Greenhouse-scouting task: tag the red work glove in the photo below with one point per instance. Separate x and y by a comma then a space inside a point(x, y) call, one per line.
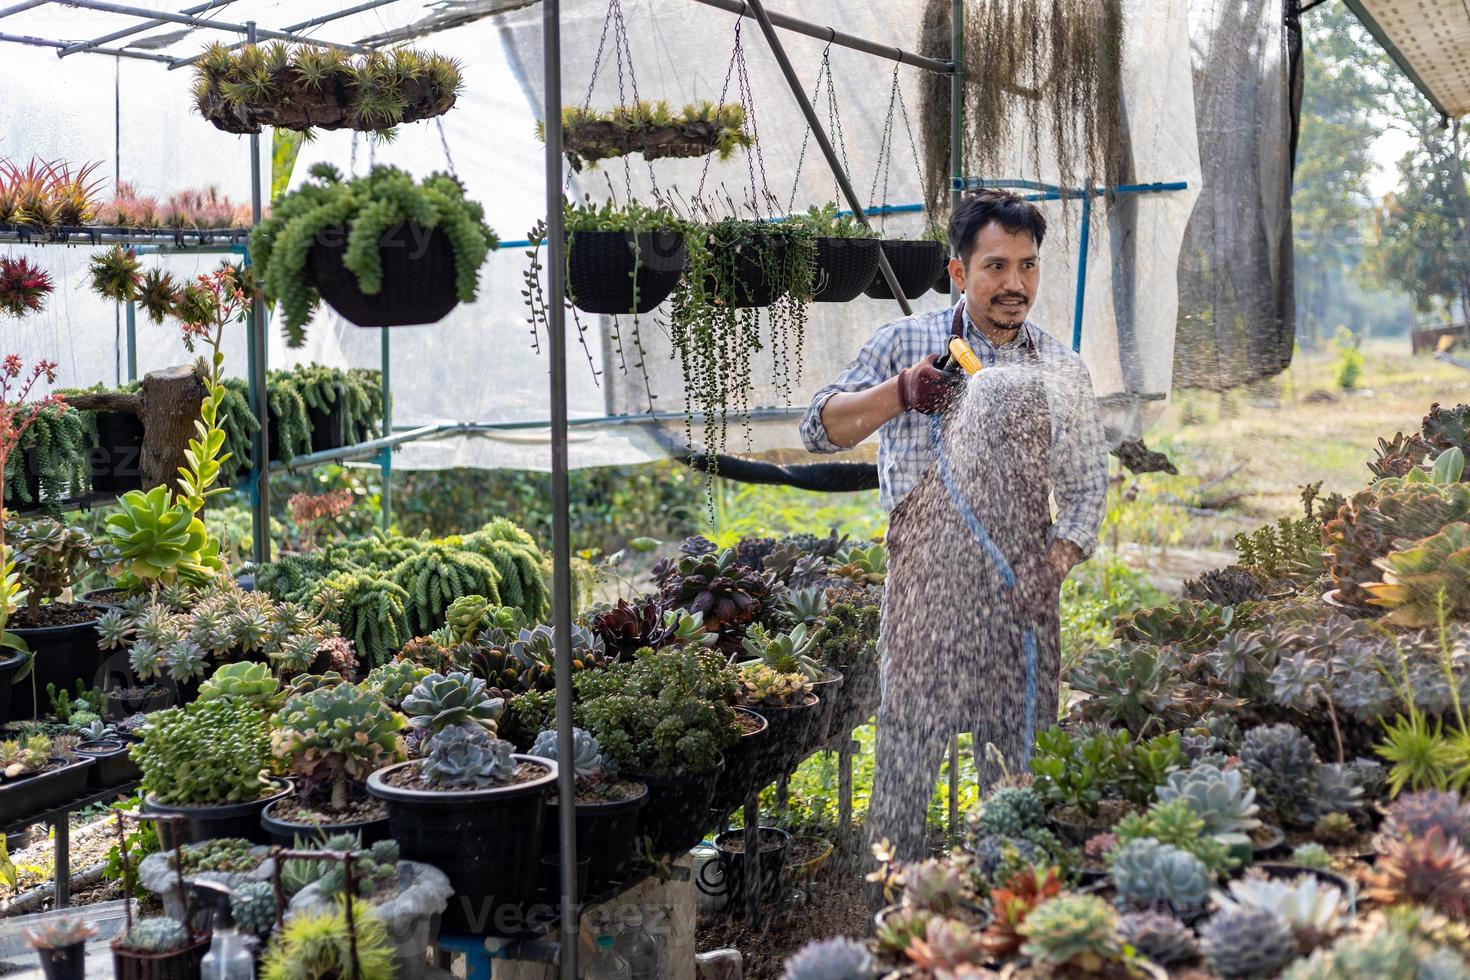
point(925, 388)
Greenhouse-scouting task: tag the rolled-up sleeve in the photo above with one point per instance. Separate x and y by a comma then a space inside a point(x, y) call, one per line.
point(1079, 462)
point(874, 364)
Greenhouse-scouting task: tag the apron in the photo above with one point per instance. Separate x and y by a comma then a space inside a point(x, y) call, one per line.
point(958, 654)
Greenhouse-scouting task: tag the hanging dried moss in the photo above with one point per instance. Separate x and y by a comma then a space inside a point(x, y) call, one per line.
point(1047, 72)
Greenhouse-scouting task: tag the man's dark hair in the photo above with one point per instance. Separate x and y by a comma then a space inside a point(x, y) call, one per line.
point(977, 210)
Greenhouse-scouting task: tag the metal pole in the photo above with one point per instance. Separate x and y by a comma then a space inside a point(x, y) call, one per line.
point(1079, 302)
point(260, 493)
point(292, 28)
point(836, 37)
point(43, 42)
point(132, 324)
point(757, 7)
point(956, 115)
point(385, 461)
point(954, 785)
point(247, 28)
point(21, 8)
point(561, 534)
point(139, 28)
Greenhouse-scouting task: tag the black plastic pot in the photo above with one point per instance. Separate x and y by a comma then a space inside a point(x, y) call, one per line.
point(742, 762)
point(328, 430)
point(732, 865)
point(828, 690)
point(64, 962)
point(113, 765)
point(63, 655)
point(203, 823)
point(752, 287)
point(286, 833)
point(488, 841)
point(857, 700)
point(418, 277)
point(10, 665)
point(677, 814)
point(789, 733)
point(916, 265)
point(45, 790)
point(607, 833)
point(551, 875)
point(1275, 847)
point(1288, 871)
point(124, 701)
point(845, 267)
point(181, 964)
point(115, 461)
point(617, 272)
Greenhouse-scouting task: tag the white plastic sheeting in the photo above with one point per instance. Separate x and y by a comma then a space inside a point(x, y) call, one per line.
point(478, 364)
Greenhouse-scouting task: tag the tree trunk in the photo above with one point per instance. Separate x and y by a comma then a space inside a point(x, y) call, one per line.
point(168, 406)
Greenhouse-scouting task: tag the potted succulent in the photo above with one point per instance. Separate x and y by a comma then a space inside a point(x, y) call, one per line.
point(743, 762)
point(324, 944)
point(230, 861)
point(467, 805)
point(845, 638)
point(382, 250)
point(772, 844)
point(34, 776)
point(158, 948)
point(652, 129)
point(405, 896)
point(313, 407)
point(792, 712)
point(109, 748)
point(917, 264)
point(330, 739)
point(794, 653)
point(847, 253)
point(622, 259)
point(607, 810)
point(1076, 935)
point(50, 558)
point(59, 944)
point(210, 763)
point(305, 87)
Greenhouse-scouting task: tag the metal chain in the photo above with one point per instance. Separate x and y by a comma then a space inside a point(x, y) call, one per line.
point(352, 160)
point(835, 119)
point(724, 90)
point(903, 110)
point(822, 73)
point(885, 155)
point(624, 49)
point(439, 122)
point(756, 160)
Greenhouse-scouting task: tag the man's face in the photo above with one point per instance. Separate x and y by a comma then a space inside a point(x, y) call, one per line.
point(1001, 277)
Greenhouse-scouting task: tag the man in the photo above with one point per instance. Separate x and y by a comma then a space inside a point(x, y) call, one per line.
point(976, 561)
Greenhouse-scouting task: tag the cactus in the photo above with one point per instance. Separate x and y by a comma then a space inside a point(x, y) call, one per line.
point(156, 934)
point(438, 702)
point(1415, 814)
point(763, 685)
point(1158, 936)
point(467, 757)
point(1243, 943)
point(253, 906)
point(1222, 799)
point(334, 737)
point(1011, 811)
point(395, 680)
point(1283, 769)
point(249, 682)
point(830, 959)
point(1312, 910)
point(1431, 869)
point(1145, 871)
point(1072, 932)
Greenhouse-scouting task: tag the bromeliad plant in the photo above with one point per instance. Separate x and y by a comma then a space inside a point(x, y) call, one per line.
point(362, 209)
point(332, 738)
point(24, 286)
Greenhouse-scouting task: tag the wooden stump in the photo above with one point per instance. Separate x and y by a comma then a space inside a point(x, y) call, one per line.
point(168, 406)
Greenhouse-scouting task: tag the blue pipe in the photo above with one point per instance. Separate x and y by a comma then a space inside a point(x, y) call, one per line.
point(1077, 304)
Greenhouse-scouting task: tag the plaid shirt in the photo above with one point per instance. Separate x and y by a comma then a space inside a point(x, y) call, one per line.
point(1079, 460)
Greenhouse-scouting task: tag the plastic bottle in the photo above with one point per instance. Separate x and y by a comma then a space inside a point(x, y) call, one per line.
point(229, 955)
point(637, 947)
point(605, 964)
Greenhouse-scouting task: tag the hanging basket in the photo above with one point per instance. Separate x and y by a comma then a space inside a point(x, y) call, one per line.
point(752, 287)
point(916, 264)
point(601, 139)
point(616, 272)
point(942, 281)
point(418, 277)
point(845, 267)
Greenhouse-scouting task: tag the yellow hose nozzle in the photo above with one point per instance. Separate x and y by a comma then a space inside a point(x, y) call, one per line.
point(964, 356)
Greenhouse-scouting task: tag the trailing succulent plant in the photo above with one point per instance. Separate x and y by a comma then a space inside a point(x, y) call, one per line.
point(1158, 936)
point(457, 700)
point(334, 737)
point(727, 594)
point(830, 959)
point(1077, 932)
point(366, 207)
point(467, 757)
point(395, 680)
point(1432, 870)
point(767, 686)
point(155, 934)
point(1282, 765)
point(1146, 871)
point(1315, 912)
point(1245, 943)
point(207, 752)
point(438, 575)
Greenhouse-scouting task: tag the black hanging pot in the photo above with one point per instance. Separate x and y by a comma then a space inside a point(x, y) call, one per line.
point(286, 832)
point(751, 284)
point(677, 813)
point(114, 463)
point(607, 836)
point(63, 656)
point(916, 265)
point(616, 272)
point(845, 267)
point(488, 841)
point(203, 823)
point(742, 761)
point(790, 733)
point(418, 277)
